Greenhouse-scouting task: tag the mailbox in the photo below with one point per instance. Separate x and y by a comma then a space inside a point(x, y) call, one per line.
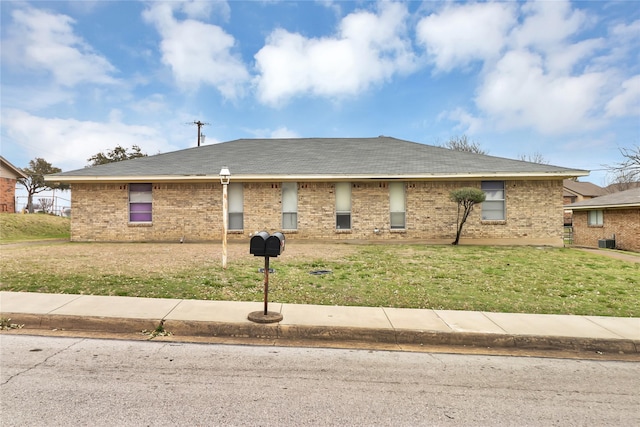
point(275, 244)
point(257, 245)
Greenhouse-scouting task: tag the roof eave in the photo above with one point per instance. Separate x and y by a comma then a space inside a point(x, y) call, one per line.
point(596, 207)
point(315, 177)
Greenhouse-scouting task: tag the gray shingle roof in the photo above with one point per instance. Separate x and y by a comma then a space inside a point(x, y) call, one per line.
point(628, 198)
point(318, 157)
point(584, 188)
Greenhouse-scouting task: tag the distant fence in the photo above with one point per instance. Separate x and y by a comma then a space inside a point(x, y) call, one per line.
point(55, 205)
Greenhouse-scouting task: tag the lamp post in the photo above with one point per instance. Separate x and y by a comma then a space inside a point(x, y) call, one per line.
point(225, 177)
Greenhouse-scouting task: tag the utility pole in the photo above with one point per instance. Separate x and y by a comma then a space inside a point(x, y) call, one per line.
point(199, 124)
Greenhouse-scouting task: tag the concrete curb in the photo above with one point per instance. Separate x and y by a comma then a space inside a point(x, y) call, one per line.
point(276, 331)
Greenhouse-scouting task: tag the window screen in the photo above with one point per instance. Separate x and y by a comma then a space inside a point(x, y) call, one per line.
point(289, 205)
point(397, 205)
point(493, 208)
point(140, 202)
point(343, 206)
point(236, 203)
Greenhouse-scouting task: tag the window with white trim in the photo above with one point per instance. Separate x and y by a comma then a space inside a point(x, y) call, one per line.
point(397, 205)
point(290, 205)
point(343, 206)
point(493, 208)
point(236, 203)
point(595, 217)
point(140, 202)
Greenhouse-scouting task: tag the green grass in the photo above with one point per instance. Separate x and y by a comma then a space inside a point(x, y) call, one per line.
point(28, 227)
point(477, 278)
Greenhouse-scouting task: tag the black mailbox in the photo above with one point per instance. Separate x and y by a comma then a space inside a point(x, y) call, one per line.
point(257, 246)
point(275, 244)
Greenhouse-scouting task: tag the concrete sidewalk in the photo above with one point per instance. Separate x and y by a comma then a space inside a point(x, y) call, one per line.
point(366, 325)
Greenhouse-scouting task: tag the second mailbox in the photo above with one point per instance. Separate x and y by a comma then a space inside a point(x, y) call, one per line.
point(275, 244)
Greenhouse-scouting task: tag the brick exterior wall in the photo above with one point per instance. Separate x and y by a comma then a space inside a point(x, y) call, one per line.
point(534, 212)
point(7, 195)
point(624, 223)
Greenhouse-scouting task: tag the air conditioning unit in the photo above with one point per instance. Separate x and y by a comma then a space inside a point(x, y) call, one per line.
point(607, 243)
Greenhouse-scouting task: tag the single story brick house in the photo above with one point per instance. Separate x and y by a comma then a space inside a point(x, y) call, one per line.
point(372, 189)
point(9, 175)
point(576, 191)
point(613, 219)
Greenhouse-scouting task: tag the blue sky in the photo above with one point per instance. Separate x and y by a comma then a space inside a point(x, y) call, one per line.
point(561, 79)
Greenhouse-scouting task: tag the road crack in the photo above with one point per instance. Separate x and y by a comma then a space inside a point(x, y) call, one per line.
point(35, 366)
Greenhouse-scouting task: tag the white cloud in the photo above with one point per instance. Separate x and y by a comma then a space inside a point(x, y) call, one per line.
point(547, 24)
point(460, 34)
point(368, 49)
point(538, 70)
point(67, 143)
point(519, 93)
point(468, 123)
point(196, 52)
point(42, 41)
point(627, 102)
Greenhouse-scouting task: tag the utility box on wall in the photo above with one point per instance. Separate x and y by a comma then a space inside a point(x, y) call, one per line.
point(607, 243)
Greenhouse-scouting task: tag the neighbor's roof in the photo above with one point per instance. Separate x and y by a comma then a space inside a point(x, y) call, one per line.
point(583, 188)
point(621, 199)
point(315, 159)
point(5, 164)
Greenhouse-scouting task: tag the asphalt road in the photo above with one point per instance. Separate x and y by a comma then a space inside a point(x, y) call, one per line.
point(77, 381)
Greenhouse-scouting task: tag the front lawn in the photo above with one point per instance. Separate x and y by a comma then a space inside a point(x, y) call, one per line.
point(478, 278)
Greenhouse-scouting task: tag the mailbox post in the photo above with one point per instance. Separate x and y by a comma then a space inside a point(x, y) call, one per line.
point(265, 245)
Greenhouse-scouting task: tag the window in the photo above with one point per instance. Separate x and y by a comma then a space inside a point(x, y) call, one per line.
point(493, 208)
point(396, 205)
point(343, 206)
point(290, 205)
point(595, 218)
point(140, 202)
point(236, 203)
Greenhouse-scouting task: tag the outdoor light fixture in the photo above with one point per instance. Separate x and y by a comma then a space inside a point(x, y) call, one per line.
point(225, 177)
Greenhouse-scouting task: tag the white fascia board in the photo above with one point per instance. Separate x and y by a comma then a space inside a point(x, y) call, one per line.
point(313, 177)
point(603, 207)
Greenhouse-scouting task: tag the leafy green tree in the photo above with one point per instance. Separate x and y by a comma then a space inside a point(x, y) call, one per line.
point(466, 198)
point(118, 154)
point(463, 143)
point(34, 182)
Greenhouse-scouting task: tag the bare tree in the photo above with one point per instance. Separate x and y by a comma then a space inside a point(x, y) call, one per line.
point(34, 182)
point(627, 171)
point(536, 157)
point(462, 143)
point(466, 198)
point(46, 205)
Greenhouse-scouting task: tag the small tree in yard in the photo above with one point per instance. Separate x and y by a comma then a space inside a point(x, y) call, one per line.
point(466, 198)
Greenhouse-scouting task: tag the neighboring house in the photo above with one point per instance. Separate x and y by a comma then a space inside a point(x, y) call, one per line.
point(9, 176)
point(576, 191)
point(612, 220)
point(621, 186)
point(317, 188)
